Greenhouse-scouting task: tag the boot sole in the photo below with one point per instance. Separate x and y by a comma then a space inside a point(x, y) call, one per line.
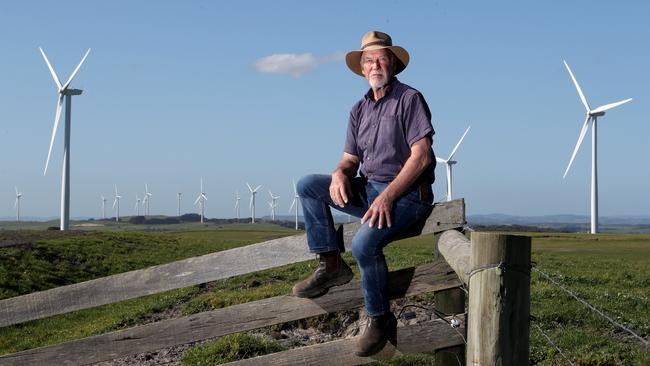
point(342, 280)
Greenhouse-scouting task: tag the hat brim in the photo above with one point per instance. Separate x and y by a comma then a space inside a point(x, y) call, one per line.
point(353, 58)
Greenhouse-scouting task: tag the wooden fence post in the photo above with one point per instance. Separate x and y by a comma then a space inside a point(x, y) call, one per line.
point(451, 301)
point(499, 300)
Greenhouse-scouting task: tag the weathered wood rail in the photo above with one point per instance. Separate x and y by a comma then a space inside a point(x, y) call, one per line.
point(191, 271)
point(211, 267)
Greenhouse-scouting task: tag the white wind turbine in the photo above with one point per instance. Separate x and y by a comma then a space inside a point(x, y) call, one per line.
point(103, 207)
point(146, 200)
point(252, 204)
point(237, 198)
point(200, 200)
point(116, 203)
point(592, 116)
point(296, 201)
point(273, 205)
point(137, 204)
point(179, 203)
point(449, 162)
point(64, 90)
point(19, 195)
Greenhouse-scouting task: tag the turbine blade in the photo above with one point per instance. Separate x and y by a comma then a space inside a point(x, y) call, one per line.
point(114, 202)
point(605, 107)
point(249, 187)
point(16, 202)
point(583, 131)
point(295, 191)
point(16, 188)
point(197, 200)
point(458, 144)
point(292, 204)
point(115, 190)
point(49, 66)
point(59, 107)
point(74, 73)
point(575, 82)
point(441, 160)
point(258, 187)
point(204, 196)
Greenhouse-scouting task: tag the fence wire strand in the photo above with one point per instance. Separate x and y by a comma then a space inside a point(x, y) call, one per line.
point(645, 342)
point(553, 344)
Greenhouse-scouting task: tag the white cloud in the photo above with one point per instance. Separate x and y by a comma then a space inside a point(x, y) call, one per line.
point(293, 64)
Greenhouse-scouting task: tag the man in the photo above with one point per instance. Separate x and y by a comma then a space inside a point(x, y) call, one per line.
point(389, 138)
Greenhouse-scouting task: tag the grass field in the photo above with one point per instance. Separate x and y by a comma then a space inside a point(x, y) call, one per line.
point(610, 271)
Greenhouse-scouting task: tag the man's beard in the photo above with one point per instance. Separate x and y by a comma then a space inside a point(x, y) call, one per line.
point(378, 84)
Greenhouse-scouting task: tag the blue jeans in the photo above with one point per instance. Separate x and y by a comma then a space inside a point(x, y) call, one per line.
point(368, 243)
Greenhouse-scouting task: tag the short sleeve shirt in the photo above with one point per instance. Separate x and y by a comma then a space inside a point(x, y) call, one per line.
point(380, 133)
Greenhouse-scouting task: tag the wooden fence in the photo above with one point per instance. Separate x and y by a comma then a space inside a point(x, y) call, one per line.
point(423, 337)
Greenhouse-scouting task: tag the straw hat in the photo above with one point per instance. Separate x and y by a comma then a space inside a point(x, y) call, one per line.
point(375, 40)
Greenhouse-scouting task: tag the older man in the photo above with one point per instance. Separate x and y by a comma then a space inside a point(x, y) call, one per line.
point(389, 138)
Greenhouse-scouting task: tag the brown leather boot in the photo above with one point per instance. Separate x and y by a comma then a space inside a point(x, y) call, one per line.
point(331, 271)
point(379, 329)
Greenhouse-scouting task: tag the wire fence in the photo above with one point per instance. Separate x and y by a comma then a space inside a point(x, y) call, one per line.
point(591, 307)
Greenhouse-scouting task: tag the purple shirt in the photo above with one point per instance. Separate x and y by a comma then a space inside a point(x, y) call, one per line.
point(381, 133)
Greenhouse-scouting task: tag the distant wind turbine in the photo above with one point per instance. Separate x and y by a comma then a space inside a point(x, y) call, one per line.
point(449, 162)
point(252, 204)
point(200, 200)
point(19, 195)
point(592, 116)
point(296, 201)
point(179, 203)
point(64, 91)
point(116, 203)
point(273, 205)
point(146, 200)
point(137, 204)
point(237, 198)
point(103, 207)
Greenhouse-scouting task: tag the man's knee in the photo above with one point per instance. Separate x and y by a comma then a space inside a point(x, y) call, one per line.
point(363, 247)
point(308, 185)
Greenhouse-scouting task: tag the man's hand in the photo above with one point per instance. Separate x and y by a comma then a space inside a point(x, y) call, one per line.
point(379, 211)
point(340, 189)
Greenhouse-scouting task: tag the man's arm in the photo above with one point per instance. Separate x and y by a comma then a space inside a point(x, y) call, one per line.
point(379, 211)
point(340, 189)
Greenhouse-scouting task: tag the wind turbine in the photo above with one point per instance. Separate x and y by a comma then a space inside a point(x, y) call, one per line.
point(137, 204)
point(103, 207)
point(200, 200)
point(117, 202)
point(64, 91)
point(296, 201)
point(449, 162)
point(147, 198)
point(19, 195)
point(237, 198)
point(252, 204)
point(592, 116)
point(179, 203)
point(273, 205)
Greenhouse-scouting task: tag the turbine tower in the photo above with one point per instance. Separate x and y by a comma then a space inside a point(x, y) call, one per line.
point(200, 200)
point(147, 198)
point(103, 207)
point(19, 195)
point(237, 198)
point(116, 203)
point(449, 162)
point(64, 91)
point(296, 201)
point(273, 205)
point(137, 204)
point(252, 204)
point(179, 203)
point(592, 116)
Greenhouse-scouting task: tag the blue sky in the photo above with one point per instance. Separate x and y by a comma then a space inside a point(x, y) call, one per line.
point(173, 92)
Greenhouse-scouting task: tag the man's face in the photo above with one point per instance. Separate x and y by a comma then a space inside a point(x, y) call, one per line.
point(376, 66)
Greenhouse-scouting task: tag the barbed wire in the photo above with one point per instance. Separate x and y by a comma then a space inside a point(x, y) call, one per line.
point(553, 344)
point(645, 342)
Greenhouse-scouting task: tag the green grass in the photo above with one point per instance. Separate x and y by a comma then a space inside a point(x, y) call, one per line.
point(610, 271)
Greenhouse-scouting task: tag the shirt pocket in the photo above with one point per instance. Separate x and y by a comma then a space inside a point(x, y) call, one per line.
point(390, 137)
